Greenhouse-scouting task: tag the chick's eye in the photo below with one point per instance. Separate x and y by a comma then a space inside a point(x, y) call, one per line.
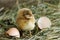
point(27, 13)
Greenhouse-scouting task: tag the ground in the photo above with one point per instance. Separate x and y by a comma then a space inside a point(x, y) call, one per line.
point(51, 10)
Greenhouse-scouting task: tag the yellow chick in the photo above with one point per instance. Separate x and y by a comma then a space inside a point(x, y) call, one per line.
point(25, 20)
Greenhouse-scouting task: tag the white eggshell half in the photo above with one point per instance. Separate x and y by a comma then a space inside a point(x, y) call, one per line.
point(44, 22)
point(13, 32)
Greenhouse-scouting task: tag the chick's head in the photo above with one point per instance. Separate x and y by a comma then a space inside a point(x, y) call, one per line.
point(25, 13)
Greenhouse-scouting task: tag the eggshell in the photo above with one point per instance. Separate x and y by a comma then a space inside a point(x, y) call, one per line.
point(13, 32)
point(44, 22)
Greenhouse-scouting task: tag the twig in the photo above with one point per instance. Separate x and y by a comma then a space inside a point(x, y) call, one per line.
point(2, 17)
point(17, 3)
point(1, 9)
point(50, 5)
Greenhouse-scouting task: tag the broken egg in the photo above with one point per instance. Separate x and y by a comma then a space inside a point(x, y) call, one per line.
point(44, 22)
point(13, 32)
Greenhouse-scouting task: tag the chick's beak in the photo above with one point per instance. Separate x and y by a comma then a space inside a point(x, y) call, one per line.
point(28, 16)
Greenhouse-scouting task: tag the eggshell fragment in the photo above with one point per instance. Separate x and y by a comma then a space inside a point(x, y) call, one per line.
point(13, 32)
point(44, 22)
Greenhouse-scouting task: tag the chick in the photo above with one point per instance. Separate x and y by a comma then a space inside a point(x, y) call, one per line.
point(25, 20)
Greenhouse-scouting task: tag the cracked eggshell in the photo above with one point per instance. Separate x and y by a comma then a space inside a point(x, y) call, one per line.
point(44, 22)
point(13, 32)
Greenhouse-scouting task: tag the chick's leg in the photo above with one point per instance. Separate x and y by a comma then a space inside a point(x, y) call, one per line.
point(21, 33)
point(30, 33)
